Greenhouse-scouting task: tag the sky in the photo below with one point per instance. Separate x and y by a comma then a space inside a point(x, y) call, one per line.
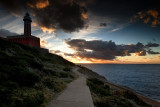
point(89, 31)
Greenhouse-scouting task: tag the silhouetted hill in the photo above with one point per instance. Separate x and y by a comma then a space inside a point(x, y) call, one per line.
point(29, 77)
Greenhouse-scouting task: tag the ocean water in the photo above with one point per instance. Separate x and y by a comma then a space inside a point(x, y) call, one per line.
point(144, 79)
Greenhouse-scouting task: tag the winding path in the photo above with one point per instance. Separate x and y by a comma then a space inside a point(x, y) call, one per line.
point(77, 94)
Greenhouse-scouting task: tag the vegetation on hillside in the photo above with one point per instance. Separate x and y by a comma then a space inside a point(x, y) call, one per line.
point(104, 96)
point(30, 78)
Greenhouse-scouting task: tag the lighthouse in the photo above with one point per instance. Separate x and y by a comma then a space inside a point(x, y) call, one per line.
point(27, 38)
point(27, 24)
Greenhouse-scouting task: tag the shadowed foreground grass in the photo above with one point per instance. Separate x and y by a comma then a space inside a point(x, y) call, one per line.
point(29, 78)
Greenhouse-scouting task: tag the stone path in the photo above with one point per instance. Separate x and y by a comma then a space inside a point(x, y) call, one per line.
point(77, 94)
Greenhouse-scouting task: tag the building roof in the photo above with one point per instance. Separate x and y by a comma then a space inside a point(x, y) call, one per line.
point(22, 36)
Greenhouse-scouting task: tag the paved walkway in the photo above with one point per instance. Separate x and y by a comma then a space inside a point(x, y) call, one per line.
point(77, 94)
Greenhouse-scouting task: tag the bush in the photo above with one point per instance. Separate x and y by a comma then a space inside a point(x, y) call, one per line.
point(34, 99)
point(102, 103)
point(96, 81)
point(27, 98)
point(130, 95)
point(67, 68)
point(97, 87)
point(63, 75)
point(20, 75)
point(50, 72)
point(54, 83)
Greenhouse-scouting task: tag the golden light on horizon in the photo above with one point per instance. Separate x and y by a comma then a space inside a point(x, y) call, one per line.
point(138, 53)
point(119, 60)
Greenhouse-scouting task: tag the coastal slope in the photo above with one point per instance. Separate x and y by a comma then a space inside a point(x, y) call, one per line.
point(105, 93)
point(30, 77)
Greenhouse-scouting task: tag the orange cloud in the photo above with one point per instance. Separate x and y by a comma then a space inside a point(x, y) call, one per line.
point(147, 16)
point(39, 4)
point(84, 16)
point(44, 29)
point(147, 20)
point(141, 53)
point(155, 22)
point(43, 43)
point(49, 30)
point(153, 13)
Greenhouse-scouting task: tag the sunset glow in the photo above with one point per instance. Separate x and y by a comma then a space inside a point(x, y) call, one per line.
point(91, 31)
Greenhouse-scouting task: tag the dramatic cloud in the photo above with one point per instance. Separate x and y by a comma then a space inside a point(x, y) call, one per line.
point(5, 33)
point(103, 24)
point(107, 50)
point(152, 45)
point(149, 16)
point(67, 15)
point(152, 52)
point(16, 7)
point(68, 54)
point(141, 53)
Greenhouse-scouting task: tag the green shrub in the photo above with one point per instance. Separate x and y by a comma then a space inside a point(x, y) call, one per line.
point(51, 72)
point(25, 77)
point(27, 98)
point(22, 63)
point(17, 74)
point(67, 68)
point(34, 99)
point(63, 75)
point(54, 83)
point(102, 103)
point(73, 76)
point(33, 63)
point(130, 95)
point(6, 91)
point(96, 81)
point(97, 87)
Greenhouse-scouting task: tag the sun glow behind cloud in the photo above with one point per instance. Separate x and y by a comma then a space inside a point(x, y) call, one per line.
point(51, 42)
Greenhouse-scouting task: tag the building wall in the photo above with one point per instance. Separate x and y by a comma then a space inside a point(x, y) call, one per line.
point(31, 41)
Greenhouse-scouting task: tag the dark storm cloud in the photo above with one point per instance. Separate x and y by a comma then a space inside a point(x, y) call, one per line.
point(152, 45)
point(121, 8)
point(103, 24)
point(51, 14)
point(15, 6)
point(152, 52)
point(5, 33)
point(68, 54)
point(106, 50)
point(67, 14)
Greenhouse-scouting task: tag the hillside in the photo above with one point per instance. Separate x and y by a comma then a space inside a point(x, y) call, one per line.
point(29, 77)
point(107, 94)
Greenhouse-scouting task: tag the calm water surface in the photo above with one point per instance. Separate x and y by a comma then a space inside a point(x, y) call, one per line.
point(144, 79)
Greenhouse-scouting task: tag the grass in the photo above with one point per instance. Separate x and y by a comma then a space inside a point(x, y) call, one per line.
point(130, 95)
point(104, 96)
point(54, 83)
point(98, 87)
point(26, 80)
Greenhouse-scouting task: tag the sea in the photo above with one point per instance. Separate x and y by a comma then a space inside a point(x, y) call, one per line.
point(143, 78)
